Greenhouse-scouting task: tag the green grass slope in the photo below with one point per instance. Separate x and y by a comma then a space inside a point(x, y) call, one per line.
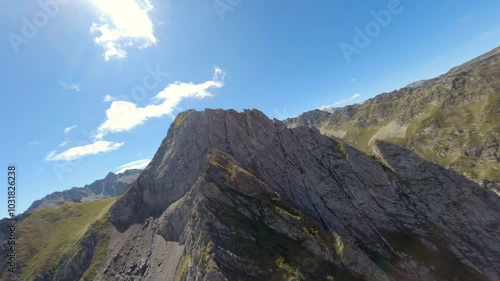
point(49, 236)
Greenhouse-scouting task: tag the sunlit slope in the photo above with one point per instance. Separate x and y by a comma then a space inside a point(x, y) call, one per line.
point(452, 120)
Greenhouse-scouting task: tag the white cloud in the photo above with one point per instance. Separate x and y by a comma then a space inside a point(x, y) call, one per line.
point(218, 74)
point(352, 80)
point(108, 98)
point(124, 115)
point(139, 164)
point(68, 129)
point(71, 86)
point(344, 101)
point(64, 143)
point(82, 151)
point(34, 143)
point(124, 23)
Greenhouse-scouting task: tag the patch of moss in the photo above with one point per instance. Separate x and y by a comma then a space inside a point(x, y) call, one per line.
point(180, 119)
point(381, 162)
point(286, 272)
point(338, 146)
point(338, 245)
point(184, 266)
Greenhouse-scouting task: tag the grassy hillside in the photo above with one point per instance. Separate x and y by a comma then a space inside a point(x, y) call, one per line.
point(49, 235)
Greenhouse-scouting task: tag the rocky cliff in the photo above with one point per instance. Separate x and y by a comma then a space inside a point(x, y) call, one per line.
point(452, 120)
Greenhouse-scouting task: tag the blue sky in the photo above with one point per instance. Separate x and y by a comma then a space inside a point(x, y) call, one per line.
point(90, 86)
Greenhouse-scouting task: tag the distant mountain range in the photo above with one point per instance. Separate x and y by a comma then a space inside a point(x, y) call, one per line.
point(452, 120)
point(113, 185)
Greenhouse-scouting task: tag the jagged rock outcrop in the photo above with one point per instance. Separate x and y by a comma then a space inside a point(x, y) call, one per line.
point(452, 120)
point(236, 196)
point(113, 185)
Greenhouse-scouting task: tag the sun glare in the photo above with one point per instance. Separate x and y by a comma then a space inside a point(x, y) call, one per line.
point(123, 23)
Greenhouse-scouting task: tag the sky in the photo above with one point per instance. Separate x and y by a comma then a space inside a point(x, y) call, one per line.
point(91, 86)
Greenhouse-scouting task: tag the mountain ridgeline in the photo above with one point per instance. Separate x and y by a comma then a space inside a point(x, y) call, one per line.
point(113, 185)
point(452, 120)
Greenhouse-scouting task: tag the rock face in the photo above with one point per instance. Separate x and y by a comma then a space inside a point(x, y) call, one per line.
point(113, 185)
point(237, 196)
point(452, 120)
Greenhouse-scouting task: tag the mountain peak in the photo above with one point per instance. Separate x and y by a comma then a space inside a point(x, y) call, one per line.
point(110, 176)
